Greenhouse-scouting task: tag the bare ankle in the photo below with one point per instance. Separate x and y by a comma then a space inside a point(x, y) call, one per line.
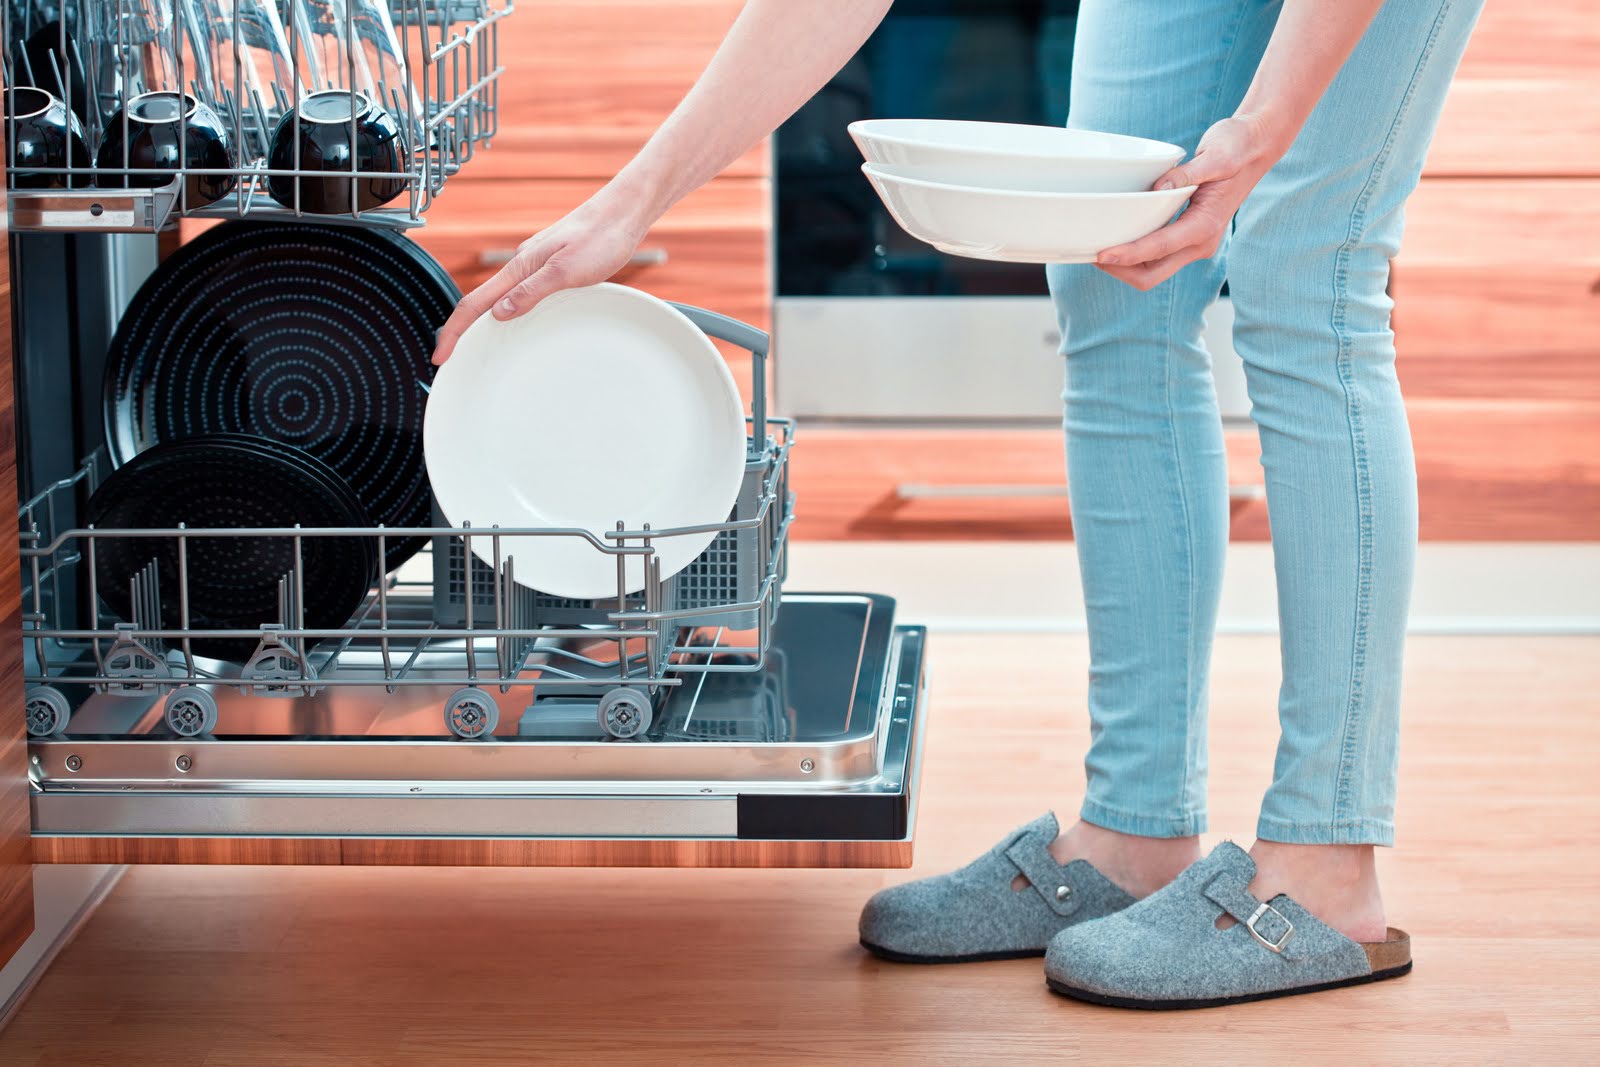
point(1140, 865)
point(1336, 883)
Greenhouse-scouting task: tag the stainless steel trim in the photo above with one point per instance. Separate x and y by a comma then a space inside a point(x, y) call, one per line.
point(207, 814)
point(955, 359)
point(500, 767)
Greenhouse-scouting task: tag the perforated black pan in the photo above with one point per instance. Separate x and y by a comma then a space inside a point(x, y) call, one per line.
point(316, 336)
point(231, 481)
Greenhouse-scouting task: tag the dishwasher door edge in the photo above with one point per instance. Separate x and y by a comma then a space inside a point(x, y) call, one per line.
point(783, 821)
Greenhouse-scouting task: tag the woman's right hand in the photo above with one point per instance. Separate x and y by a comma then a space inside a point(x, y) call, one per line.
point(586, 247)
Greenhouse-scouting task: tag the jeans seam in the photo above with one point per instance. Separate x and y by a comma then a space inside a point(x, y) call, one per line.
point(1354, 711)
point(1189, 628)
point(1188, 547)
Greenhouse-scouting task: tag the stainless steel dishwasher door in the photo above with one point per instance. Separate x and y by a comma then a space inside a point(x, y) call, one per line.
point(820, 745)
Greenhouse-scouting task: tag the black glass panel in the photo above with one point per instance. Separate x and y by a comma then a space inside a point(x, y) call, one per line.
point(989, 60)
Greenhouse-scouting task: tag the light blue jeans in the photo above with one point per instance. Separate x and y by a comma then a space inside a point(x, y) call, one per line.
point(1307, 267)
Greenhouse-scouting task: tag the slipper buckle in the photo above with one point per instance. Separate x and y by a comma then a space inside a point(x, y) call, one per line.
point(1282, 940)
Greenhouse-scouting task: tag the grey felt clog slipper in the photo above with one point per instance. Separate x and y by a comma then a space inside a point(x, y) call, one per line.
point(1166, 950)
point(974, 913)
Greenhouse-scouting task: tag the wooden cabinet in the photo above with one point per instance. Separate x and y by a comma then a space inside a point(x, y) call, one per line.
point(1497, 285)
point(1526, 100)
point(587, 83)
point(16, 857)
point(957, 484)
point(1497, 321)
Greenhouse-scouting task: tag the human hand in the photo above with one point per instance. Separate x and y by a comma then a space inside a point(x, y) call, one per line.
point(586, 247)
point(1230, 159)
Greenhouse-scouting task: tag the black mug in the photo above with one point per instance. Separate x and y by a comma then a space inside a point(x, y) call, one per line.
point(147, 134)
point(47, 135)
point(323, 134)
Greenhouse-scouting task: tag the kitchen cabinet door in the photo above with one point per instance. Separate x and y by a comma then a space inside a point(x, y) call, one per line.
point(587, 83)
point(1497, 325)
point(16, 863)
point(1497, 290)
point(1526, 100)
point(940, 484)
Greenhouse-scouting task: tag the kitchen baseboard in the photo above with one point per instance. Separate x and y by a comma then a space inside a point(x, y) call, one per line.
point(64, 896)
point(1023, 587)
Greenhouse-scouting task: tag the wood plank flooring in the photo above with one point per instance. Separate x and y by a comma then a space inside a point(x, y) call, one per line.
point(390, 967)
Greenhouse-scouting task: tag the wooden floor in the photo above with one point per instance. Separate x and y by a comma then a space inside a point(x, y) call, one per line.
point(1497, 879)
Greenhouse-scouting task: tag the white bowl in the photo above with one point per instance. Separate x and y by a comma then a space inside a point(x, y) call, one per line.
point(1004, 155)
point(1015, 227)
point(601, 405)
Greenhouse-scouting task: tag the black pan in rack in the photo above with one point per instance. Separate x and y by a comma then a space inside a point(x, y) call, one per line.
point(316, 336)
point(219, 481)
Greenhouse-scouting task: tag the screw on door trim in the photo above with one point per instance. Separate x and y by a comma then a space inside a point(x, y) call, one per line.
point(807, 766)
point(74, 763)
point(184, 763)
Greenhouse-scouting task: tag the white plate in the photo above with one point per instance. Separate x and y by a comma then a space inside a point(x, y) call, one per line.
point(1004, 155)
point(600, 405)
point(1015, 227)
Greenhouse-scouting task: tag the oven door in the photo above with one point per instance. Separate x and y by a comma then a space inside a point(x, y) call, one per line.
point(810, 761)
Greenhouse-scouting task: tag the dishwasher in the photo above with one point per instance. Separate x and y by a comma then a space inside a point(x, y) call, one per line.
point(711, 718)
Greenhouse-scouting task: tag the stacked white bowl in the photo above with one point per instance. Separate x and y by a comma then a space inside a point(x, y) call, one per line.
point(1019, 194)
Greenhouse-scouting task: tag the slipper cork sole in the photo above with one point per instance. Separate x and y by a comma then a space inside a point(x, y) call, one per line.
point(1389, 958)
point(979, 957)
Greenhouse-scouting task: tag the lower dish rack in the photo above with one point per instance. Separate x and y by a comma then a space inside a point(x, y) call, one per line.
point(621, 654)
point(475, 627)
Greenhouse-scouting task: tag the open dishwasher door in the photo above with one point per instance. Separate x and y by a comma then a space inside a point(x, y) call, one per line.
point(810, 760)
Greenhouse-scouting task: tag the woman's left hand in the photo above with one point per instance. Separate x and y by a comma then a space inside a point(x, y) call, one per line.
point(1230, 159)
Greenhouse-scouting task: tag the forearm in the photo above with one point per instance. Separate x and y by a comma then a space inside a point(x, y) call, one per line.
point(1312, 40)
point(778, 53)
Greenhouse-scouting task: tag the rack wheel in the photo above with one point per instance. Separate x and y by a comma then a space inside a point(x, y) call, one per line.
point(47, 710)
point(625, 713)
point(471, 713)
point(191, 711)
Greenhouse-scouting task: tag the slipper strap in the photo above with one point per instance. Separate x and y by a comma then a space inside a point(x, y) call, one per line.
point(1042, 871)
point(1271, 928)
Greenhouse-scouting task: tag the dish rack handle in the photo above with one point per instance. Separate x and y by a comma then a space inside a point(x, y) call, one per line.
point(757, 343)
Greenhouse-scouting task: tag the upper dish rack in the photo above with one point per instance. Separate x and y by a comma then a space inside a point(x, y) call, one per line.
point(443, 63)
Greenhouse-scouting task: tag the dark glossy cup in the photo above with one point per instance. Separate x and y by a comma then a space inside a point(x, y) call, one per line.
point(324, 139)
point(47, 135)
point(153, 137)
